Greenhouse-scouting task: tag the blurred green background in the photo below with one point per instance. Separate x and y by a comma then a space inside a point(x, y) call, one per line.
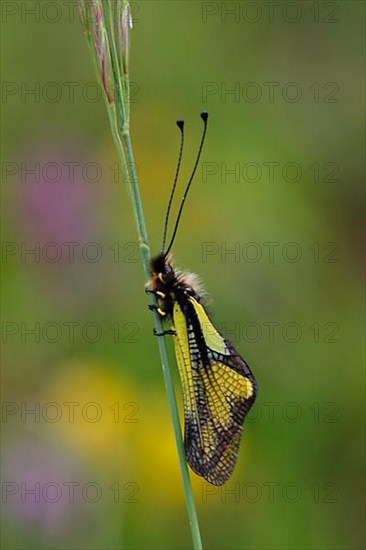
point(94, 465)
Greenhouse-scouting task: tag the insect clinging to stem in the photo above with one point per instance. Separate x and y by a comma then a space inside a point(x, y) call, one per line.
point(218, 385)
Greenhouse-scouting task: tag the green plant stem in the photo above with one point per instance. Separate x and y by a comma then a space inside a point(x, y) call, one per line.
point(125, 152)
point(109, 23)
point(145, 253)
point(118, 113)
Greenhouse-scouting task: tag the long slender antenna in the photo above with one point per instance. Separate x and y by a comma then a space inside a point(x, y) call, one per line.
point(204, 117)
point(180, 124)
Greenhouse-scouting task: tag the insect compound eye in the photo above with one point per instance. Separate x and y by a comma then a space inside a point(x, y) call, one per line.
point(168, 274)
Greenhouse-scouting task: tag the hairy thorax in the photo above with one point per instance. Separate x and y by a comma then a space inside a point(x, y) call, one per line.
point(172, 285)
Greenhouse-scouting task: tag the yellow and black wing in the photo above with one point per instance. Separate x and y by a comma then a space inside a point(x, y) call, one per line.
point(218, 391)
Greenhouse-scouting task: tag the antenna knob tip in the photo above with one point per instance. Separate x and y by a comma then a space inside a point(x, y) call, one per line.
point(204, 116)
point(180, 124)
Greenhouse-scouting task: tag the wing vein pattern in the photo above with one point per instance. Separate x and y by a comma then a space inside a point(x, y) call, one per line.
point(218, 391)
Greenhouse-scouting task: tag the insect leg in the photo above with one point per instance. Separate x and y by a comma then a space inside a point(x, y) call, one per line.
point(155, 292)
point(170, 332)
point(153, 307)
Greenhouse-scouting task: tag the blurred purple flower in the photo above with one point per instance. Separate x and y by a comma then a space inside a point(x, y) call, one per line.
point(57, 202)
point(34, 490)
point(63, 227)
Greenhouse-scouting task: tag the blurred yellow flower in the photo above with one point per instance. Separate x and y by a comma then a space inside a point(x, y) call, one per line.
point(99, 408)
point(105, 418)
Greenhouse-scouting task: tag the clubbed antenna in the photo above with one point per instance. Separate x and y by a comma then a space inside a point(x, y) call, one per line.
point(180, 124)
point(204, 117)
